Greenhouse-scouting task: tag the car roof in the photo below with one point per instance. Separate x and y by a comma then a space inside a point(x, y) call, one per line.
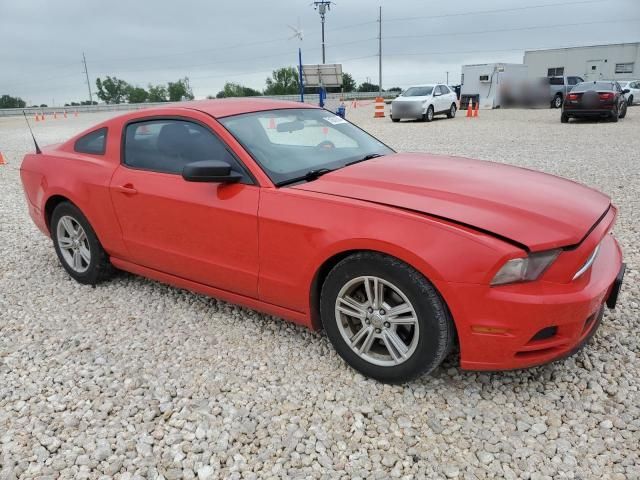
point(225, 107)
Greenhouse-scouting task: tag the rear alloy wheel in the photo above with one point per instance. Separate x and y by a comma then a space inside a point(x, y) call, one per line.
point(452, 111)
point(77, 245)
point(557, 101)
point(428, 116)
point(384, 318)
point(564, 118)
point(623, 113)
point(615, 115)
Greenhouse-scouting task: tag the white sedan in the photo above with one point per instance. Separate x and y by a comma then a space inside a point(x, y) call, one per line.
point(633, 96)
point(424, 102)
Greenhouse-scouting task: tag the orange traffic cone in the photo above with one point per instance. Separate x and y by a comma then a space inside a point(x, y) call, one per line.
point(75, 114)
point(42, 117)
point(470, 108)
point(475, 112)
point(37, 117)
point(2, 160)
point(65, 114)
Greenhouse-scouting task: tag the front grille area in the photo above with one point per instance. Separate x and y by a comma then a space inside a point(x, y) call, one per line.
point(406, 109)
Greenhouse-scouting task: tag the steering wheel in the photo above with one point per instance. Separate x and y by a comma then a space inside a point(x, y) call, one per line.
point(326, 144)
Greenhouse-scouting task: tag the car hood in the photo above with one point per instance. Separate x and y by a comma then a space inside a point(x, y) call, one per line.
point(536, 210)
point(421, 98)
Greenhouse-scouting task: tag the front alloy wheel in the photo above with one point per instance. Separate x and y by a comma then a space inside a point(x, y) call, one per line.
point(377, 321)
point(384, 318)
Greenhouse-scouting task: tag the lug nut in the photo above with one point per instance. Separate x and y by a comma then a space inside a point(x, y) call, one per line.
point(367, 321)
point(378, 330)
point(387, 324)
point(382, 312)
point(370, 310)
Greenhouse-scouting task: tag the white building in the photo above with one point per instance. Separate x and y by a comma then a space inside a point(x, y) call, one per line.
point(616, 61)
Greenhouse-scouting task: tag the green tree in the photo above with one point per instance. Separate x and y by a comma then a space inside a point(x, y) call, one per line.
point(137, 95)
point(7, 101)
point(158, 93)
point(231, 89)
point(180, 90)
point(283, 81)
point(112, 89)
point(348, 85)
point(394, 89)
point(367, 87)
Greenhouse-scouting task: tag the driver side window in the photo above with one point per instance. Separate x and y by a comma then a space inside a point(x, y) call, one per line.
point(166, 146)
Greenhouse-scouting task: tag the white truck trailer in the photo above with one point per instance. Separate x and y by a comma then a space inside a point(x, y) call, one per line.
point(491, 84)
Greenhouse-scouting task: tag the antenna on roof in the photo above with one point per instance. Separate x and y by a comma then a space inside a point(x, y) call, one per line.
point(31, 131)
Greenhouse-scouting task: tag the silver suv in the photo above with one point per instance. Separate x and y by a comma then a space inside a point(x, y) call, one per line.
point(559, 87)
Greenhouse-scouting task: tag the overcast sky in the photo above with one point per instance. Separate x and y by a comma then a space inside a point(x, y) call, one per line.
point(212, 41)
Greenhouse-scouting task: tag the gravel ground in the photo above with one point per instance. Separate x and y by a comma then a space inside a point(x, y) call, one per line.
point(135, 379)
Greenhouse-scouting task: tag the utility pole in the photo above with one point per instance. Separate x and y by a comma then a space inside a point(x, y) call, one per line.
point(380, 52)
point(447, 78)
point(86, 73)
point(323, 6)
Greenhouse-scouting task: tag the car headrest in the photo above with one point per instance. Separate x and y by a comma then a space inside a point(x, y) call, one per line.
point(174, 138)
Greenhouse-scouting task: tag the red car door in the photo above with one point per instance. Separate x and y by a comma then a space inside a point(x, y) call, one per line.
point(204, 232)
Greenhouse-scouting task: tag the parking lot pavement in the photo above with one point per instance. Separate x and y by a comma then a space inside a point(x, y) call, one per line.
point(136, 379)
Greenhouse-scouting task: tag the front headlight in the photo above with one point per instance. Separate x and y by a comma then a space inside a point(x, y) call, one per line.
point(525, 269)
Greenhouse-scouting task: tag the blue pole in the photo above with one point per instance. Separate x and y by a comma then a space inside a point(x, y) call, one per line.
point(300, 70)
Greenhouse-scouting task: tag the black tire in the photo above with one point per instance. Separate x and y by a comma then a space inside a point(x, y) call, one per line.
point(630, 101)
point(452, 111)
point(435, 326)
point(557, 101)
point(564, 118)
point(428, 117)
point(99, 267)
point(615, 115)
point(395, 120)
point(623, 112)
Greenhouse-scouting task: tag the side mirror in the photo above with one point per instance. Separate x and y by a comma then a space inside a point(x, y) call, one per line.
point(625, 91)
point(210, 171)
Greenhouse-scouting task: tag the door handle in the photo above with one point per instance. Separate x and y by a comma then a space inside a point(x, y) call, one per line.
point(126, 189)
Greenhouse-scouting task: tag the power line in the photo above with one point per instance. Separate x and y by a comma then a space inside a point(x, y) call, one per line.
point(497, 10)
point(515, 29)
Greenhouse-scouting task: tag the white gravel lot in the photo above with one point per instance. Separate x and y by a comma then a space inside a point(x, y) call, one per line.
point(135, 379)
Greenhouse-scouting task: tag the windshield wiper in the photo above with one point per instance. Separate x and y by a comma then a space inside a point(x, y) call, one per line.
point(310, 175)
point(365, 158)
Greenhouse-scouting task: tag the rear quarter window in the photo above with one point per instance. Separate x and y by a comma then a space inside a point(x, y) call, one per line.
point(94, 143)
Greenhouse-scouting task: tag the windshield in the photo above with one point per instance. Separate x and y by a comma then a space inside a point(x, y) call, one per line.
point(290, 143)
point(417, 91)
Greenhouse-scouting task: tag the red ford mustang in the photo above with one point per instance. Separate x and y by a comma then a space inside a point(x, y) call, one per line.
point(291, 210)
